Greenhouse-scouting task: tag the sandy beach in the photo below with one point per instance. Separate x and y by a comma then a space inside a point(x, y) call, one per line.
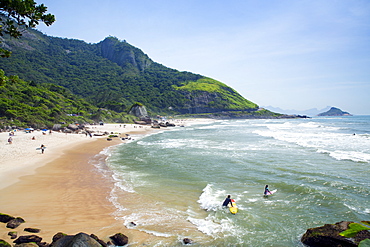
point(60, 190)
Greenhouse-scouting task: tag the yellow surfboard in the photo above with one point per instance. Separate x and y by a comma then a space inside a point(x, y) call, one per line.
point(233, 209)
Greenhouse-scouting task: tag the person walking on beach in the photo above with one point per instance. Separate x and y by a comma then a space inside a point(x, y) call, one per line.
point(267, 191)
point(227, 201)
point(10, 140)
point(42, 148)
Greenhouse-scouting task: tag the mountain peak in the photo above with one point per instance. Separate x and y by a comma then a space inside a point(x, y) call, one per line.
point(124, 54)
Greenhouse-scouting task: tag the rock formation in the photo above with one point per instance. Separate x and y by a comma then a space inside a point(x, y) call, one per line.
point(328, 236)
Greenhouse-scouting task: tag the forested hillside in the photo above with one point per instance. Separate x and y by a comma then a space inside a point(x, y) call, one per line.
point(43, 105)
point(114, 75)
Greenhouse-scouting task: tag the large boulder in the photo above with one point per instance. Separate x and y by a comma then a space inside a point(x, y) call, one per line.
point(28, 239)
point(101, 242)
point(13, 235)
point(119, 239)
point(14, 223)
point(139, 110)
point(58, 236)
point(33, 230)
point(328, 236)
point(79, 240)
point(3, 243)
point(4, 218)
point(26, 245)
point(72, 127)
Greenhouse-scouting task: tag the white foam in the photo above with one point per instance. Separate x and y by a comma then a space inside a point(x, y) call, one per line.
point(155, 233)
point(210, 199)
point(358, 209)
point(351, 155)
point(326, 139)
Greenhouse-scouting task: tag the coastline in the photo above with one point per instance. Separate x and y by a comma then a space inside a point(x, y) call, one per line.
point(61, 190)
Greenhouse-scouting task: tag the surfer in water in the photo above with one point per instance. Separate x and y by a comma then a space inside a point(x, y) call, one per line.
point(227, 201)
point(267, 191)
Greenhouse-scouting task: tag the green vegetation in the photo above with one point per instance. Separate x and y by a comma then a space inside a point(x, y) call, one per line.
point(354, 229)
point(4, 243)
point(16, 15)
point(42, 105)
point(227, 97)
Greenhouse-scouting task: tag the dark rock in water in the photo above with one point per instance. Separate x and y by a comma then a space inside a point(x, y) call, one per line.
point(13, 235)
point(28, 239)
point(328, 236)
point(132, 224)
point(4, 218)
point(14, 223)
point(33, 230)
point(119, 239)
point(3, 243)
point(81, 240)
point(101, 242)
point(187, 241)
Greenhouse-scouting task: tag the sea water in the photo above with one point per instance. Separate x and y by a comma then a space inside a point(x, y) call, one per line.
point(172, 183)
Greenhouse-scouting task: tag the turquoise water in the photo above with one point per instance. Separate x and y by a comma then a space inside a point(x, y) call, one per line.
point(172, 183)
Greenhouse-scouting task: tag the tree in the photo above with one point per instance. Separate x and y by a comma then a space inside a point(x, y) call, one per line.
point(17, 15)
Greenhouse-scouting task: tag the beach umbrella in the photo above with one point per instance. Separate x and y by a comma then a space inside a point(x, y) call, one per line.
point(45, 130)
point(28, 129)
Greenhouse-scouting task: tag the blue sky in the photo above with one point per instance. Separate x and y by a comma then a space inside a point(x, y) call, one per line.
point(291, 54)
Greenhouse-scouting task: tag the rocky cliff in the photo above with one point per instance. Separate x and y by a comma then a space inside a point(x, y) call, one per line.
point(124, 54)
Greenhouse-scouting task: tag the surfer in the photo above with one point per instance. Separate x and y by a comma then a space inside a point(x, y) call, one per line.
point(267, 191)
point(42, 148)
point(227, 201)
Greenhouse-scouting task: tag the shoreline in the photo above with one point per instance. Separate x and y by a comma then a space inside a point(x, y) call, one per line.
point(61, 190)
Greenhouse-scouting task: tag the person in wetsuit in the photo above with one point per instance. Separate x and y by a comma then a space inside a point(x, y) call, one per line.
point(267, 191)
point(227, 201)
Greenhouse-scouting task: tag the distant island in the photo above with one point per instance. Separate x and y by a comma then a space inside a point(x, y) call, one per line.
point(334, 112)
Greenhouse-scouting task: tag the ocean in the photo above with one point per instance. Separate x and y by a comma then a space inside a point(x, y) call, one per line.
point(172, 183)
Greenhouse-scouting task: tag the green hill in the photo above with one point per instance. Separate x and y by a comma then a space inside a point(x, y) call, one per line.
point(114, 74)
point(43, 105)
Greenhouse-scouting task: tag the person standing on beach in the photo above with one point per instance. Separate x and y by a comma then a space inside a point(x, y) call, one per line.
point(42, 148)
point(227, 201)
point(10, 140)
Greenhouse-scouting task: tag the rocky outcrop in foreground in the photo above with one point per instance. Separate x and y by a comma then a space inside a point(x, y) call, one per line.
point(328, 236)
point(60, 239)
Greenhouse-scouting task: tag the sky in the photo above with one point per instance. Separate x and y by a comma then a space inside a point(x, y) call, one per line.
point(292, 54)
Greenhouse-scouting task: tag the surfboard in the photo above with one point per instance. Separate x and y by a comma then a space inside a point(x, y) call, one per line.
point(233, 209)
point(271, 192)
point(40, 148)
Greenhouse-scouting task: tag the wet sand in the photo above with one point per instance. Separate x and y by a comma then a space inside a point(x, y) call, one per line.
point(66, 195)
point(61, 190)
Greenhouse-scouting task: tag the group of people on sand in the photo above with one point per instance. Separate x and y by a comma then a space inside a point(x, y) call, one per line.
point(42, 147)
point(228, 199)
